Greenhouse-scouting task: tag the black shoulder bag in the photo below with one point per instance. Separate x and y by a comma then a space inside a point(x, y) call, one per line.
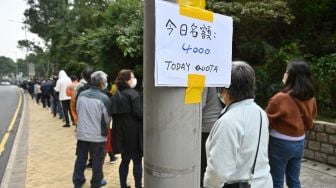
point(247, 184)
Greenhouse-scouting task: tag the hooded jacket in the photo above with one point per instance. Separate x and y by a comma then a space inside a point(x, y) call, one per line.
point(62, 83)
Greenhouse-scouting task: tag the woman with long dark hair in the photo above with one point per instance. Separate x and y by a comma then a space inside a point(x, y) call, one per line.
point(291, 113)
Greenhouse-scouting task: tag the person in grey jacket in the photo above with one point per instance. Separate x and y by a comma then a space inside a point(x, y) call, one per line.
point(233, 141)
point(211, 109)
point(94, 116)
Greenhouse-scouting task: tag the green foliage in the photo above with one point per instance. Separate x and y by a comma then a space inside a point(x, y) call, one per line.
point(259, 26)
point(7, 66)
point(314, 26)
point(324, 71)
point(270, 73)
point(103, 34)
point(41, 64)
point(124, 18)
point(75, 68)
point(108, 35)
point(259, 11)
point(22, 67)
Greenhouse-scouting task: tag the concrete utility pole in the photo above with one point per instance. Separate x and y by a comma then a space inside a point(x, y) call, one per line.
point(172, 129)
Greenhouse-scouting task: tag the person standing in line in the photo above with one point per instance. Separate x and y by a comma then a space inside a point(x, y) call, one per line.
point(70, 91)
point(31, 88)
point(94, 116)
point(211, 109)
point(291, 113)
point(111, 154)
point(61, 85)
point(83, 85)
point(37, 91)
point(234, 143)
point(127, 114)
point(47, 89)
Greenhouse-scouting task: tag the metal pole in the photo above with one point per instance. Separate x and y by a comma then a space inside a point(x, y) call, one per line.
point(172, 129)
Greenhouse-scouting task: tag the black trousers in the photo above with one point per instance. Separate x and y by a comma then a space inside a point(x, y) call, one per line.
point(66, 111)
point(98, 155)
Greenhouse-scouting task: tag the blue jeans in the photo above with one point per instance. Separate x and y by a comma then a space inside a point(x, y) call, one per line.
point(98, 154)
point(285, 159)
point(137, 169)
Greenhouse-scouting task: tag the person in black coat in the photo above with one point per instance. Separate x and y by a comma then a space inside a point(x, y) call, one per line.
point(127, 139)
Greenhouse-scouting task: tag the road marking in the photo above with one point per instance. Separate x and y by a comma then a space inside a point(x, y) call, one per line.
point(11, 125)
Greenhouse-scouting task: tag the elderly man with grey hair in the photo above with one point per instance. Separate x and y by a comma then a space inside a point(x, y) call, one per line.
point(94, 115)
point(238, 141)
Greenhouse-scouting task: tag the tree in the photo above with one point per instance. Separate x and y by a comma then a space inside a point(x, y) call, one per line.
point(7, 66)
point(22, 67)
point(107, 34)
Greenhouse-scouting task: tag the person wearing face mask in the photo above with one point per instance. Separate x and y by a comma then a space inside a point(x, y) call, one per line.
point(94, 115)
point(239, 138)
point(291, 113)
point(127, 127)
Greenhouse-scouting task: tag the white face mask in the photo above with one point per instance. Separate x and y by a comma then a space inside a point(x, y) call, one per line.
point(221, 98)
point(133, 83)
point(105, 86)
point(284, 78)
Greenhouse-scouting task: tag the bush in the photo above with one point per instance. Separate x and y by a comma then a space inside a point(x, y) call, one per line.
point(324, 71)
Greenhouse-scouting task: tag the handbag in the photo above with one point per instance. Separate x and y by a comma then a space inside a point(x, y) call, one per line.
point(247, 184)
point(108, 144)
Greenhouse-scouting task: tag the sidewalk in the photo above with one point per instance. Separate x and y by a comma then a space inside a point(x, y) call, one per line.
point(51, 153)
point(46, 157)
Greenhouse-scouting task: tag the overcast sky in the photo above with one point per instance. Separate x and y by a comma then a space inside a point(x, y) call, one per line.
point(11, 28)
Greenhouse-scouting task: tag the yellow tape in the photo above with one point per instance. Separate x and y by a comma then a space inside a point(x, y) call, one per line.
point(195, 88)
point(197, 13)
point(196, 82)
point(193, 3)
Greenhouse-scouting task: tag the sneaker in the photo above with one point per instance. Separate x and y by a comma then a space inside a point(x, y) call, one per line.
point(113, 160)
point(103, 183)
point(66, 125)
point(89, 165)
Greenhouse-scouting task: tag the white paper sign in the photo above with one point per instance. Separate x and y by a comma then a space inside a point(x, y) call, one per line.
point(186, 45)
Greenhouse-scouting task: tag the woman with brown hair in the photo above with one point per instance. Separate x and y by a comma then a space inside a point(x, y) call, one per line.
point(127, 137)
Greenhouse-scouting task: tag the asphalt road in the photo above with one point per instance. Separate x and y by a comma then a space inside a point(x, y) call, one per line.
point(11, 103)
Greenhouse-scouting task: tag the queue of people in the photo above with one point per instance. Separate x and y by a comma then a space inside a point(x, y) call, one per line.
point(90, 106)
point(243, 145)
point(97, 108)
